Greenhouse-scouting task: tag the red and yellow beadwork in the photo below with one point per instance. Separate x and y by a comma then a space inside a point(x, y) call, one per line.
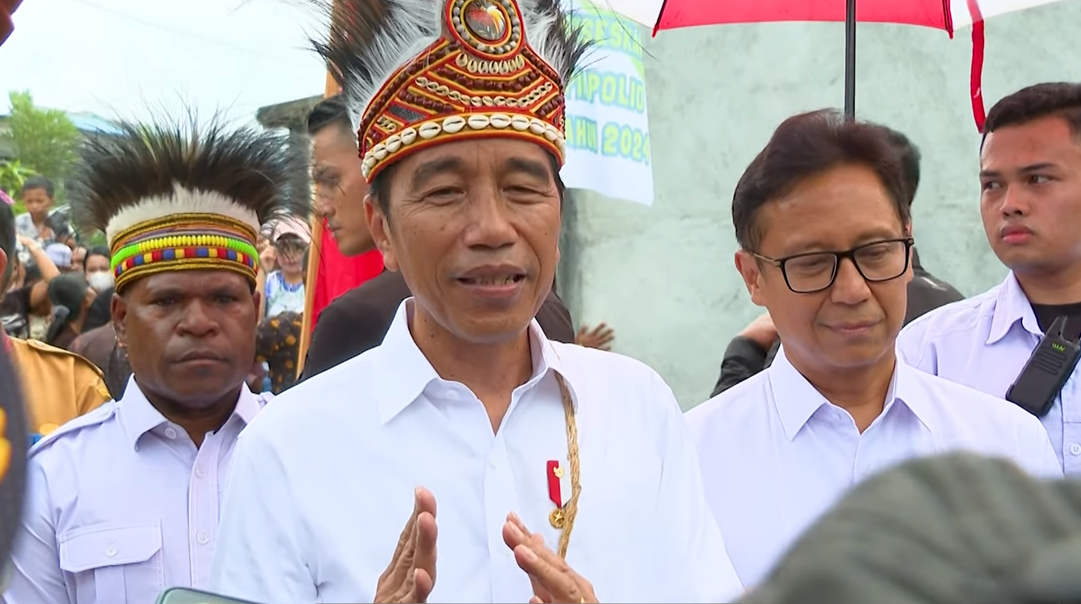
point(479, 79)
point(184, 242)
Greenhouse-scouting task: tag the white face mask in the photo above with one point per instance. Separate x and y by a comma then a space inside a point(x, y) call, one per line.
point(100, 281)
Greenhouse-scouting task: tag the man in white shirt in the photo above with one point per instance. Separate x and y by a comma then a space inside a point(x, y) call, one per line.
point(123, 502)
point(1030, 178)
point(467, 403)
point(825, 236)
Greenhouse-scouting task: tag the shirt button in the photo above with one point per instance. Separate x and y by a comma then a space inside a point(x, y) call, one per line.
point(202, 538)
point(170, 433)
point(111, 551)
point(200, 471)
point(1075, 449)
point(491, 462)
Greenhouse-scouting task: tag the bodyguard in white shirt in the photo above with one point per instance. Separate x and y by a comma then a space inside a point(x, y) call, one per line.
point(552, 471)
point(825, 236)
point(1030, 178)
point(123, 503)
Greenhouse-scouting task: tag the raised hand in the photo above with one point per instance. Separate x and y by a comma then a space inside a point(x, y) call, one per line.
point(268, 257)
point(553, 581)
point(411, 574)
point(761, 330)
point(600, 337)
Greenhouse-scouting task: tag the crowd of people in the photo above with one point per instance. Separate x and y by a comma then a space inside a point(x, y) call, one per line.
point(452, 436)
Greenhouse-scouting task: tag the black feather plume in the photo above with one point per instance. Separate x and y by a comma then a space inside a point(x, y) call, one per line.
point(257, 170)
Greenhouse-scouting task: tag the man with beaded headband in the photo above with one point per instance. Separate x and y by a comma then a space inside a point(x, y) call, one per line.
point(544, 457)
point(123, 502)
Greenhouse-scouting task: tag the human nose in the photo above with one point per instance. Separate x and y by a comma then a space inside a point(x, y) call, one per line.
point(1014, 202)
point(490, 224)
point(196, 320)
point(849, 286)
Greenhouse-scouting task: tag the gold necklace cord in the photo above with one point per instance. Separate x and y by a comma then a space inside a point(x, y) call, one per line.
point(570, 510)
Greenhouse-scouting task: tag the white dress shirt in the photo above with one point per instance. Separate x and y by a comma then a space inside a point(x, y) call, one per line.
point(776, 455)
point(323, 482)
point(121, 505)
point(984, 342)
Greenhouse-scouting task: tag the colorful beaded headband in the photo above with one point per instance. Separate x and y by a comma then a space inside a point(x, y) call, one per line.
point(193, 241)
point(481, 78)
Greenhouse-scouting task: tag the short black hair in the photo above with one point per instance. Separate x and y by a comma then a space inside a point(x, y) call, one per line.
point(7, 243)
point(39, 182)
point(805, 145)
point(97, 250)
point(1061, 99)
point(909, 156)
point(331, 111)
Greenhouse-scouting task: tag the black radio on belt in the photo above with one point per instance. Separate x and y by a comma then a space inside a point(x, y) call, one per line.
point(1046, 371)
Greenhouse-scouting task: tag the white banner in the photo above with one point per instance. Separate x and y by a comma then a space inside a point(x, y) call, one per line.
point(608, 148)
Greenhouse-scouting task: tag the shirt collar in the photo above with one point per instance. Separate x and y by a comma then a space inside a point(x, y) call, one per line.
point(1011, 306)
point(405, 372)
point(138, 416)
point(796, 400)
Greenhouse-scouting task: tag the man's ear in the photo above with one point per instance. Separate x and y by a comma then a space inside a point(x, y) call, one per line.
point(379, 227)
point(257, 297)
point(749, 269)
point(119, 308)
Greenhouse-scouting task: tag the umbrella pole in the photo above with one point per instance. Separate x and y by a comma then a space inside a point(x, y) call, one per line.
point(850, 60)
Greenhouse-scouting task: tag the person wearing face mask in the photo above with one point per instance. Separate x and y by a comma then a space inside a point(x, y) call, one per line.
point(98, 341)
point(123, 502)
point(96, 269)
point(64, 385)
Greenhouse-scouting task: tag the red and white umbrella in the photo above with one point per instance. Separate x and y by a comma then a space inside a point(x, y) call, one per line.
point(947, 15)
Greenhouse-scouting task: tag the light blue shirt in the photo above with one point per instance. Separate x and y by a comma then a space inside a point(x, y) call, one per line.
point(776, 455)
point(121, 505)
point(984, 342)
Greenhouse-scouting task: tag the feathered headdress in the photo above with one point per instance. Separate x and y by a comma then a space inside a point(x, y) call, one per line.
point(181, 196)
point(420, 72)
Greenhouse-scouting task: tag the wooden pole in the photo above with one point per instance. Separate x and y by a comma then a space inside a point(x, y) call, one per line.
point(314, 252)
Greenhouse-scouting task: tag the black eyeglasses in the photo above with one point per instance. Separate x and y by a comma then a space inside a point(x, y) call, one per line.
point(816, 271)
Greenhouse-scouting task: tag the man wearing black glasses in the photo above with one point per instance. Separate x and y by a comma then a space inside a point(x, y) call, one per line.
point(822, 220)
point(754, 348)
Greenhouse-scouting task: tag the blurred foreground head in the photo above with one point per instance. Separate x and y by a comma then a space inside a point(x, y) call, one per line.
point(13, 446)
point(7, 9)
point(942, 530)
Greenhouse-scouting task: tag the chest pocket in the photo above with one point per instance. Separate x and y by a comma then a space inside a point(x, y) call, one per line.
point(114, 564)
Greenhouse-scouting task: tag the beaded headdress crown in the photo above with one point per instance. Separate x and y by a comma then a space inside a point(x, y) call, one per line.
point(420, 72)
point(183, 197)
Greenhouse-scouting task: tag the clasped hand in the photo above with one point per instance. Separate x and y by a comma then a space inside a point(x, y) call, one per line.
point(410, 577)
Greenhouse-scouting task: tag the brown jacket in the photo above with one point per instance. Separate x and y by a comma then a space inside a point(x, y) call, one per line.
point(58, 385)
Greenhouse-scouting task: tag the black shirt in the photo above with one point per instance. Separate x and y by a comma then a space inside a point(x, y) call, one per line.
point(1047, 313)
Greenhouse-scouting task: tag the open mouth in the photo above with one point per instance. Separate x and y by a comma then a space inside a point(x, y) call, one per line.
point(493, 280)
